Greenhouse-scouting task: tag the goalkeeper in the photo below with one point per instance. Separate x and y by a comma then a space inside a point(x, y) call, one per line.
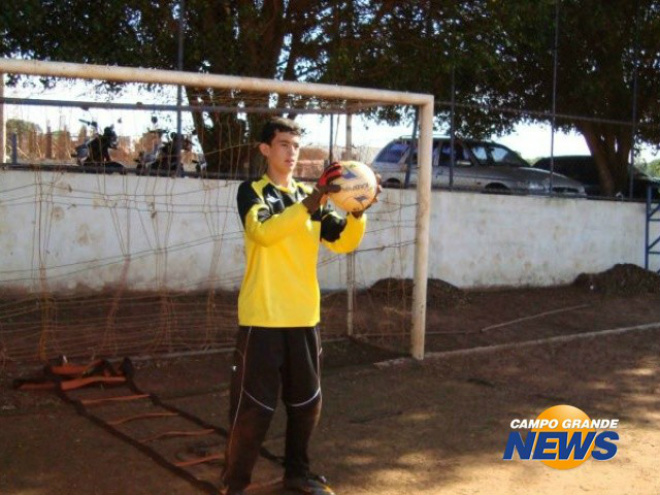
point(278, 343)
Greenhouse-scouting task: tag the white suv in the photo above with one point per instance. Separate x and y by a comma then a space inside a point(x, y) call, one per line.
point(478, 165)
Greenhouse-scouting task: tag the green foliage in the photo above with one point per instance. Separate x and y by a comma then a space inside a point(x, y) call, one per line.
point(21, 127)
point(259, 38)
point(501, 55)
point(653, 168)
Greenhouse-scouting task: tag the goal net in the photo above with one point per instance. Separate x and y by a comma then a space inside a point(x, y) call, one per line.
point(135, 251)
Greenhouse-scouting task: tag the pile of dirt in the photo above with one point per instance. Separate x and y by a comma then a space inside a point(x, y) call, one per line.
point(440, 294)
point(621, 279)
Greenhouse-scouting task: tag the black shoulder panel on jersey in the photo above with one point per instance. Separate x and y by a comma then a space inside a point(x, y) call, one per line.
point(273, 198)
point(246, 198)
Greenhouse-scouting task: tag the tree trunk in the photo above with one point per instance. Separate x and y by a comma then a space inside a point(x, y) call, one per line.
point(222, 136)
point(610, 146)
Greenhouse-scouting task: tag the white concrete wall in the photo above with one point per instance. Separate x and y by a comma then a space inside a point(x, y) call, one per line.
point(481, 240)
point(486, 240)
point(75, 232)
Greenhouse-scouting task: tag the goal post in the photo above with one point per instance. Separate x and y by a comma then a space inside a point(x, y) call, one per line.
point(370, 97)
point(422, 222)
point(3, 135)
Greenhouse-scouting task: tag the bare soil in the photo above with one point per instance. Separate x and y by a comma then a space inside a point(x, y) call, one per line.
point(392, 425)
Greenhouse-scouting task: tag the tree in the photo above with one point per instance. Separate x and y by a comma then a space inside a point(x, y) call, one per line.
point(22, 127)
point(604, 50)
point(422, 47)
point(500, 56)
point(653, 168)
point(251, 38)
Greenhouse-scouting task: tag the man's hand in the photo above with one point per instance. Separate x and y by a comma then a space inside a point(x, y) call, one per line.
point(329, 174)
point(323, 186)
point(379, 189)
point(318, 196)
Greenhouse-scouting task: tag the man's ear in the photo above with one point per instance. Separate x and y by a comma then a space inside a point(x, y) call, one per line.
point(265, 149)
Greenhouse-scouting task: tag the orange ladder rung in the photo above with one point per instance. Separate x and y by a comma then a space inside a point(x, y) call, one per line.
point(178, 433)
point(199, 460)
point(91, 402)
point(82, 382)
point(121, 421)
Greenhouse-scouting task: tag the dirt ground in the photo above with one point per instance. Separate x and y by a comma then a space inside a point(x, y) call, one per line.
point(392, 425)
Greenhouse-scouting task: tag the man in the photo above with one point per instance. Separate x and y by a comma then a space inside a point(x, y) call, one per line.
point(278, 342)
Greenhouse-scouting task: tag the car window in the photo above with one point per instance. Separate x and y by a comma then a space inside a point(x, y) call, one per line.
point(393, 152)
point(481, 154)
point(584, 171)
point(494, 154)
point(442, 154)
point(578, 168)
point(564, 168)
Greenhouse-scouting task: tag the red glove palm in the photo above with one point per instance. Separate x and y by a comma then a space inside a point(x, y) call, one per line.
point(323, 186)
point(329, 174)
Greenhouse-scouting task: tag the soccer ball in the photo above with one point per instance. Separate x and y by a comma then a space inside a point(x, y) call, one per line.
point(358, 187)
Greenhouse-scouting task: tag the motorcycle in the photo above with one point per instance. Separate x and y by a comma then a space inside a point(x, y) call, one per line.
point(165, 160)
point(93, 155)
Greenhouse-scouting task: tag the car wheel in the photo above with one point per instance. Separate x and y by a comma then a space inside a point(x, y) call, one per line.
point(393, 183)
point(496, 189)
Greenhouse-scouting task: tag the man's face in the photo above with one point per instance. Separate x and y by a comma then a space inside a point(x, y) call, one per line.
point(282, 152)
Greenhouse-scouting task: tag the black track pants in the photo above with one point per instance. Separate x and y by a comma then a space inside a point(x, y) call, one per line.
point(267, 360)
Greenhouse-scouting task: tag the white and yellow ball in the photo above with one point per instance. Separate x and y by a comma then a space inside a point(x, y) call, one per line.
point(358, 187)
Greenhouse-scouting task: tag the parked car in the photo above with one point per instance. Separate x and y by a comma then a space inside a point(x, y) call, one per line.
point(584, 169)
point(478, 165)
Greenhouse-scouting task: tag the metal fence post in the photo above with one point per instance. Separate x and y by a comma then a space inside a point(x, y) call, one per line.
point(14, 148)
point(350, 257)
point(3, 128)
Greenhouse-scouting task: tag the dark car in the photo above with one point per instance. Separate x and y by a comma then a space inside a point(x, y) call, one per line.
point(583, 168)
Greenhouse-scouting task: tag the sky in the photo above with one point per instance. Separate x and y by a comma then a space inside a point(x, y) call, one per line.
point(530, 141)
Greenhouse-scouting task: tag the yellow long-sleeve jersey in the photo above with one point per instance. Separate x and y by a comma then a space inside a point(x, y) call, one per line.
point(280, 288)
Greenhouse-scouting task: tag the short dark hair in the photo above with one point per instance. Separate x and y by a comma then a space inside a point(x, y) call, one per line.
point(280, 124)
